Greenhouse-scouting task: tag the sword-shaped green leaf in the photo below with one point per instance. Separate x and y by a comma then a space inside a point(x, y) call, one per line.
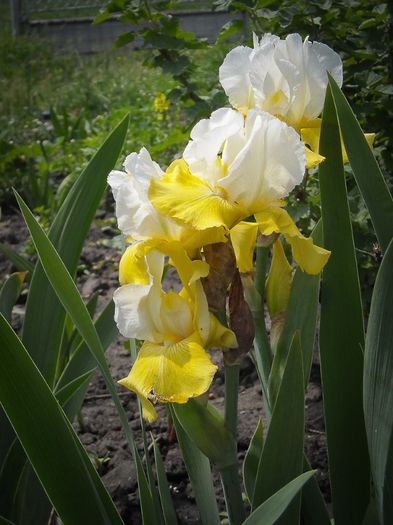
point(341, 337)
point(270, 511)
point(49, 442)
point(282, 454)
point(365, 168)
point(199, 472)
point(378, 387)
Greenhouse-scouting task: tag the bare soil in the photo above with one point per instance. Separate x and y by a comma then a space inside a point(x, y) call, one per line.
point(99, 427)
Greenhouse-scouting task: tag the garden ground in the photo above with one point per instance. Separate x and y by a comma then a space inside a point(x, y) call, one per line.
point(98, 425)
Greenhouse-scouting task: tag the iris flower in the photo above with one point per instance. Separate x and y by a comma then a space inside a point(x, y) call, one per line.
point(235, 167)
point(172, 364)
point(287, 78)
point(147, 229)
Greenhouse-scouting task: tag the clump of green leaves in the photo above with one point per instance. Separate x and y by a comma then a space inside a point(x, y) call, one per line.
point(154, 27)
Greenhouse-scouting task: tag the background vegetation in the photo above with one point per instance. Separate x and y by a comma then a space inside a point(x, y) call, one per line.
point(56, 109)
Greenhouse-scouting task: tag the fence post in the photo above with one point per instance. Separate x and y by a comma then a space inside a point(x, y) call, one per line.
point(16, 17)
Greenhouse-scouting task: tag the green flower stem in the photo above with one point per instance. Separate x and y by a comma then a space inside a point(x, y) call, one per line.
point(261, 269)
point(233, 495)
point(231, 397)
point(230, 475)
point(255, 298)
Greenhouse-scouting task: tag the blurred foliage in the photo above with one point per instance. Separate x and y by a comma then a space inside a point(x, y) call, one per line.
point(153, 26)
point(56, 109)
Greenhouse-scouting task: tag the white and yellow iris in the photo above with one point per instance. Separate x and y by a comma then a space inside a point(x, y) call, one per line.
point(172, 364)
point(287, 78)
point(140, 222)
point(235, 167)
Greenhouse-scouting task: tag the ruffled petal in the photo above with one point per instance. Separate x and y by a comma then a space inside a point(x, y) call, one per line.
point(172, 373)
point(136, 217)
point(207, 139)
point(234, 78)
point(309, 257)
point(148, 411)
point(192, 201)
point(268, 167)
point(133, 311)
point(133, 268)
point(243, 238)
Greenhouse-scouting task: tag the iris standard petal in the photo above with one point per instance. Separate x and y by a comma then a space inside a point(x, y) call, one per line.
point(235, 79)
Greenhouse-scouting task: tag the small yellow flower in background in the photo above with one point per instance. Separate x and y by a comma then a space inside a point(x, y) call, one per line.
point(172, 364)
point(161, 105)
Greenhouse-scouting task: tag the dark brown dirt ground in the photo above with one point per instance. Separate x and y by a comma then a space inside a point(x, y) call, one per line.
point(99, 427)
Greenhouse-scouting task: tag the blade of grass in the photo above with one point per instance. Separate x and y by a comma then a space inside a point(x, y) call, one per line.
point(83, 361)
point(65, 393)
point(47, 438)
point(198, 468)
point(272, 509)
point(9, 293)
point(251, 460)
point(149, 516)
point(9, 477)
point(282, 455)
point(4, 521)
point(20, 263)
point(365, 168)
point(378, 387)
point(165, 495)
point(341, 337)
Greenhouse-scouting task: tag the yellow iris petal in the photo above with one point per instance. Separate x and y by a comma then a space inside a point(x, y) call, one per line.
point(192, 240)
point(278, 283)
point(132, 266)
point(148, 411)
point(133, 270)
point(243, 237)
point(220, 336)
point(312, 158)
point(309, 257)
point(189, 271)
point(173, 373)
point(192, 201)
point(311, 136)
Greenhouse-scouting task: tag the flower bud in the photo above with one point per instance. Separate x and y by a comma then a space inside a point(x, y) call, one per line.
point(240, 321)
point(222, 262)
